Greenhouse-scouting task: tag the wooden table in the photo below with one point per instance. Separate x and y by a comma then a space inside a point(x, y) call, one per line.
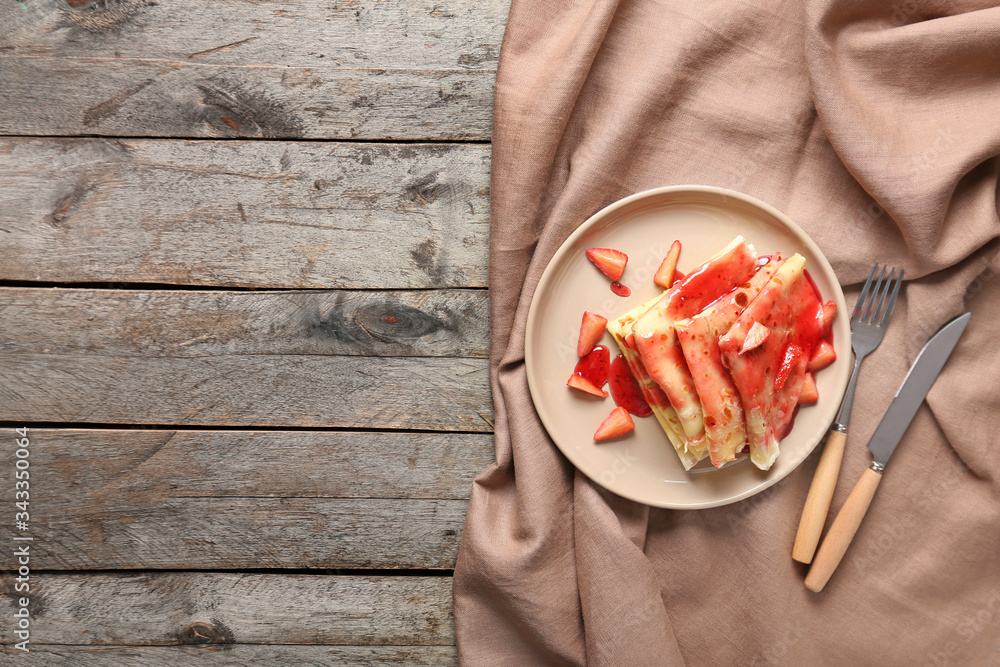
point(243, 312)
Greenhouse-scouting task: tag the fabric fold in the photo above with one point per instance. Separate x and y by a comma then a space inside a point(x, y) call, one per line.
point(873, 126)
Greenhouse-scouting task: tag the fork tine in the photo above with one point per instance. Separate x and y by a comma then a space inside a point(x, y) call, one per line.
point(866, 314)
point(864, 293)
point(892, 300)
point(881, 298)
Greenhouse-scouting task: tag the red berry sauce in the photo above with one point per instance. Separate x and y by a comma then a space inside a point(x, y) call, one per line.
point(595, 366)
point(620, 290)
point(625, 390)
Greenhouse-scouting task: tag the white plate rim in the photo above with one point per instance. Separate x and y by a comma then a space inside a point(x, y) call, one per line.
point(550, 271)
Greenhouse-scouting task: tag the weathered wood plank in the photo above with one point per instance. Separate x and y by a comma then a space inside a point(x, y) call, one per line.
point(141, 98)
point(235, 655)
point(170, 609)
point(430, 393)
point(404, 69)
point(235, 213)
point(102, 468)
point(434, 323)
point(106, 499)
point(404, 34)
point(167, 532)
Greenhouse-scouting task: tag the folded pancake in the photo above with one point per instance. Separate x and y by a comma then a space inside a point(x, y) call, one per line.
point(699, 339)
point(769, 377)
point(621, 330)
point(656, 339)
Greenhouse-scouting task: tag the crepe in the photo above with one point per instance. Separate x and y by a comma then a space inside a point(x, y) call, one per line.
point(656, 339)
point(699, 340)
point(621, 329)
point(769, 377)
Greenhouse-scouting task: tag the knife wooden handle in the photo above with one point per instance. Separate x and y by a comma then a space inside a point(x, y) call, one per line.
point(818, 501)
point(842, 531)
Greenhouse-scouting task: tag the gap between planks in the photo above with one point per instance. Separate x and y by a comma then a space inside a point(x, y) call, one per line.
point(304, 140)
point(94, 426)
point(150, 287)
point(329, 572)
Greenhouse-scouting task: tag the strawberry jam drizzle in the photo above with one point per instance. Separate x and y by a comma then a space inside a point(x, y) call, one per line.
point(710, 281)
point(625, 390)
point(620, 290)
point(595, 366)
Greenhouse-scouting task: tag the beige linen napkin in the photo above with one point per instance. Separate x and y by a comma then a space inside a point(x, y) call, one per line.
point(876, 127)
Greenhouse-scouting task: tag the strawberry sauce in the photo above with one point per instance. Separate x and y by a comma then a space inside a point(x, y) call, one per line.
point(625, 390)
point(620, 290)
point(595, 366)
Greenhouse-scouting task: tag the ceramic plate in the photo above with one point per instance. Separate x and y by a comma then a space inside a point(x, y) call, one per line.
point(643, 466)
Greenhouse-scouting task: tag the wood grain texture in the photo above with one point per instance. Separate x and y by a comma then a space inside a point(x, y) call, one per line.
point(252, 214)
point(138, 366)
point(432, 323)
point(235, 655)
point(218, 609)
point(817, 505)
point(166, 532)
point(427, 393)
point(842, 531)
point(94, 466)
point(132, 499)
point(400, 69)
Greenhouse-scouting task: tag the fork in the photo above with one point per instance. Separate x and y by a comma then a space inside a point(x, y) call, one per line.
point(868, 324)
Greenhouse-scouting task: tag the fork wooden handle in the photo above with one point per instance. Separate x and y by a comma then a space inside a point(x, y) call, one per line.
point(842, 531)
point(820, 494)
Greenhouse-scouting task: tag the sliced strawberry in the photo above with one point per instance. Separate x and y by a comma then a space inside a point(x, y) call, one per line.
point(822, 356)
point(808, 393)
point(583, 384)
point(665, 274)
point(792, 355)
point(678, 276)
point(611, 262)
point(591, 330)
point(755, 337)
point(826, 318)
point(618, 423)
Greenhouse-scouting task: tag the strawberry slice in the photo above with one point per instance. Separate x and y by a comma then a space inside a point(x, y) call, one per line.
point(618, 423)
point(826, 318)
point(792, 355)
point(808, 394)
point(611, 262)
point(583, 384)
point(678, 276)
point(591, 330)
point(822, 356)
point(755, 337)
point(665, 274)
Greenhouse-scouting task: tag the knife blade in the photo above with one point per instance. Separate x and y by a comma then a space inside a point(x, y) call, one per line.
point(922, 374)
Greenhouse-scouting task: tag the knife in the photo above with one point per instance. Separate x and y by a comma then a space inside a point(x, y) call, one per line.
point(910, 395)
